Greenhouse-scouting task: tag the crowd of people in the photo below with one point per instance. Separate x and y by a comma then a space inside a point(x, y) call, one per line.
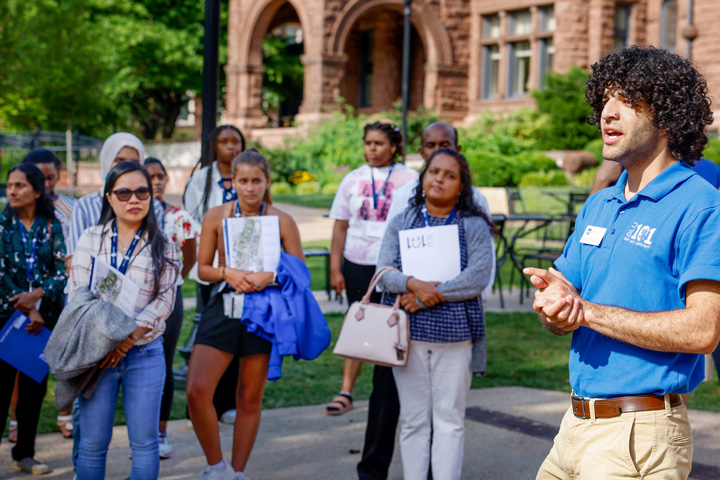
point(635, 354)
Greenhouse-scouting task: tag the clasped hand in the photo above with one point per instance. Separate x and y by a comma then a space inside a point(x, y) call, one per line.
point(248, 282)
point(556, 298)
point(425, 292)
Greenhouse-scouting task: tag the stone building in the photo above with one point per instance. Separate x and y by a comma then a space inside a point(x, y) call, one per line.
point(468, 56)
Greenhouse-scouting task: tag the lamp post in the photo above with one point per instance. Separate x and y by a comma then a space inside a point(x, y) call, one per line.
point(406, 71)
point(211, 69)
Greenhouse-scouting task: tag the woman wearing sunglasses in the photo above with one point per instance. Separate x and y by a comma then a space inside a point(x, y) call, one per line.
point(129, 238)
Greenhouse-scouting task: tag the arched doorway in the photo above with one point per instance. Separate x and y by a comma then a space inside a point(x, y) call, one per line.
point(266, 42)
point(282, 83)
point(372, 77)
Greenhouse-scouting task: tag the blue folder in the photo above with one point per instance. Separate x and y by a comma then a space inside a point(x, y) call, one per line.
point(24, 351)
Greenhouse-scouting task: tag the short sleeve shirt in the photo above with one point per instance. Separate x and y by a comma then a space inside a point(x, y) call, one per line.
point(366, 214)
point(654, 244)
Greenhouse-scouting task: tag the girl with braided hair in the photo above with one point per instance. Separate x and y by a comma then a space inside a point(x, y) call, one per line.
point(360, 209)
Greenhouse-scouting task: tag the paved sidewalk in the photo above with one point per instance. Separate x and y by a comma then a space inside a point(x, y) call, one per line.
point(509, 440)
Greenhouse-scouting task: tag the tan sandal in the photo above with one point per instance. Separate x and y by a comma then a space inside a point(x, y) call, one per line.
point(343, 403)
point(65, 425)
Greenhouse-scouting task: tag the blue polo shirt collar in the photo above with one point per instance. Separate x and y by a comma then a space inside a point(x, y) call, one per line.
point(660, 186)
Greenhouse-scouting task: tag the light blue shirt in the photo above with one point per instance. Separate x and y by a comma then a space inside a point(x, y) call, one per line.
point(655, 243)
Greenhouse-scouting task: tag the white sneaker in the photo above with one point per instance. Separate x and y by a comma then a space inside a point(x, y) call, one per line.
point(229, 417)
point(240, 476)
point(164, 445)
point(225, 473)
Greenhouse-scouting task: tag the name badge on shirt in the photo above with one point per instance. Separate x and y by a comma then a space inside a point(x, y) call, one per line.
point(593, 235)
point(375, 229)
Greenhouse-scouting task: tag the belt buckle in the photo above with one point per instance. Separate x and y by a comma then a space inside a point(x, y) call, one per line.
point(577, 398)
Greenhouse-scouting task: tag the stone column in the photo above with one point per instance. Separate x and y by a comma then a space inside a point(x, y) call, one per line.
point(321, 86)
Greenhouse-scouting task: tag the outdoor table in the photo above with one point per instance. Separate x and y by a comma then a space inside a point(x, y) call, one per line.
point(529, 223)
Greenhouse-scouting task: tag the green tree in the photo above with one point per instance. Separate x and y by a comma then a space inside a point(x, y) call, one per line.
point(562, 100)
point(283, 74)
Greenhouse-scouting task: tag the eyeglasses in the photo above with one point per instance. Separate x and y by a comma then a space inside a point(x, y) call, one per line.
point(124, 194)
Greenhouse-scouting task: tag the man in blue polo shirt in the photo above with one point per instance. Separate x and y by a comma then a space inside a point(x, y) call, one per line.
point(638, 283)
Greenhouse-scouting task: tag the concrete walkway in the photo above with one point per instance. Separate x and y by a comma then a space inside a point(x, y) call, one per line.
point(508, 433)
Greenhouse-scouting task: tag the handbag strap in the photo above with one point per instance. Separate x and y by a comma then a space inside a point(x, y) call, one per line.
point(374, 281)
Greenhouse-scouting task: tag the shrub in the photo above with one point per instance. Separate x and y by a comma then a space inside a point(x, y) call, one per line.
point(595, 147)
point(585, 178)
point(280, 188)
point(563, 101)
point(308, 188)
point(331, 188)
point(544, 179)
point(712, 150)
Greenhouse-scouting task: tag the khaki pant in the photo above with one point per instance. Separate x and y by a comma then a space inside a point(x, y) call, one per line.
point(649, 445)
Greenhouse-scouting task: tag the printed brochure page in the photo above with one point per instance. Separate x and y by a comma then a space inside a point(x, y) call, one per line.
point(252, 243)
point(112, 286)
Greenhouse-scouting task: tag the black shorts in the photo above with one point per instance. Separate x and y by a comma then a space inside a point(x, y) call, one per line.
point(227, 334)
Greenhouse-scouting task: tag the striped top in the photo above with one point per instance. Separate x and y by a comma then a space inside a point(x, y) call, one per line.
point(86, 214)
point(150, 313)
point(64, 206)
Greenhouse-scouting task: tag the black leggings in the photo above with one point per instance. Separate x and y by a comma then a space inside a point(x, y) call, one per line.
point(170, 338)
point(31, 394)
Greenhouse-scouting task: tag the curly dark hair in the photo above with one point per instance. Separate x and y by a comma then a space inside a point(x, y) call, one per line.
point(466, 203)
point(393, 134)
point(670, 84)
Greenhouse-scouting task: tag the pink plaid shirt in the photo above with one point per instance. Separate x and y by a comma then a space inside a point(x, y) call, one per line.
point(149, 313)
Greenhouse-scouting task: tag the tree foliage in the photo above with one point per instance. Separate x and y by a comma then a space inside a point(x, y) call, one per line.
point(562, 100)
point(104, 64)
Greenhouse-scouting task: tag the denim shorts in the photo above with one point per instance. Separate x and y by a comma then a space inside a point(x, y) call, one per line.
point(227, 334)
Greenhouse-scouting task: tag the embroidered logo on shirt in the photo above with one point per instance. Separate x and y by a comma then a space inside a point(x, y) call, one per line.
point(640, 234)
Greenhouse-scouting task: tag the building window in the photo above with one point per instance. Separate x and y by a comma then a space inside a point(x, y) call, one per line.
point(366, 68)
point(622, 26)
point(491, 26)
point(519, 71)
point(491, 71)
point(668, 29)
point(547, 51)
point(521, 22)
point(547, 19)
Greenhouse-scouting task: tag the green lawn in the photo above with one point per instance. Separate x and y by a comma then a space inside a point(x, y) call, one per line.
point(520, 352)
point(313, 200)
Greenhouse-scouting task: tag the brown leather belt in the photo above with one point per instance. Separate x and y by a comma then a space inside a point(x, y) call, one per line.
point(612, 407)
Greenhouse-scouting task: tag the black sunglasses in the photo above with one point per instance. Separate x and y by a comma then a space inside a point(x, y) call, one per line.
point(124, 194)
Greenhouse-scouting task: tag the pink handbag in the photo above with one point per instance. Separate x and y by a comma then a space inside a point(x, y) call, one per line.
point(374, 333)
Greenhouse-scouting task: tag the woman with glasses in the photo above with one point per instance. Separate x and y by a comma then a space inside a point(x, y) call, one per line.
point(182, 231)
point(32, 252)
point(128, 238)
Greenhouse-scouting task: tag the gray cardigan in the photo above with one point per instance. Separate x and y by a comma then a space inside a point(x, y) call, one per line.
point(88, 329)
point(471, 281)
point(468, 285)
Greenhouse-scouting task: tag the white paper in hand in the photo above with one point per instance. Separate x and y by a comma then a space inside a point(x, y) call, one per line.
point(252, 243)
point(431, 254)
point(112, 286)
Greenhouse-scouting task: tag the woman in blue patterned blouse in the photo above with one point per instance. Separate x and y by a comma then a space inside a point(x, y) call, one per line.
point(447, 328)
point(32, 253)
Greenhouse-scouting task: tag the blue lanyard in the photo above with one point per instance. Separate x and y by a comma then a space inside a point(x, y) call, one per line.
point(128, 253)
point(449, 219)
point(229, 194)
point(382, 189)
point(32, 255)
point(238, 212)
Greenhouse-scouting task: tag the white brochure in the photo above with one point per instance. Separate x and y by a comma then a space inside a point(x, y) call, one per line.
point(431, 254)
point(112, 286)
point(252, 243)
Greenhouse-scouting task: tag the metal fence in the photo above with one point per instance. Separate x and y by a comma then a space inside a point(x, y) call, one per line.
point(14, 146)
